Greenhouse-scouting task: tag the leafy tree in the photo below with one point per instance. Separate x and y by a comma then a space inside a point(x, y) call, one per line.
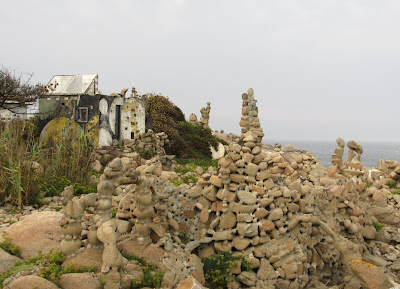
point(16, 90)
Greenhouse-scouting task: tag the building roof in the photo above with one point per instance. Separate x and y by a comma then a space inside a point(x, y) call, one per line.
point(72, 84)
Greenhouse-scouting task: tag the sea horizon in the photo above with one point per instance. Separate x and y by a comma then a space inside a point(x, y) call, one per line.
point(323, 149)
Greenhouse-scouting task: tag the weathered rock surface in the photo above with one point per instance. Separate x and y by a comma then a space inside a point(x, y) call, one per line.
point(37, 232)
point(6, 260)
point(32, 282)
point(79, 280)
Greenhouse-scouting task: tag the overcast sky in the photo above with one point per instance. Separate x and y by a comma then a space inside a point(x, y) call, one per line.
point(319, 69)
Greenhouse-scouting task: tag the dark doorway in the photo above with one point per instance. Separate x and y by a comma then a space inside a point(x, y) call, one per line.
point(118, 122)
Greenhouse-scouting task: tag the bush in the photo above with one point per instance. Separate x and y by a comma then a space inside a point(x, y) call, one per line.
point(54, 186)
point(217, 268)
point(147, 153)
point(10, 248)
point(392, 184)
point(162, 115)
point(193, 142)
point(151, 278)
point(186, 140)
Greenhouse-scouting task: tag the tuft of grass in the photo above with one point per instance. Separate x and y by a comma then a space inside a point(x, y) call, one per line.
point(151, 278)
point(10, 248)
point(49, 267)
point(378, 226)
point(131, 257)
point(114, 212)
point(392, 184)
point(184, 237)
point(147, 153)
point(217, 268)
point(189, 165)
point(184, 180)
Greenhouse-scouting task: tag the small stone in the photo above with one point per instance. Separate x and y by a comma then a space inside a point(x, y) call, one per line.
point(275, 214)
point(267, 225)
point(216, 181)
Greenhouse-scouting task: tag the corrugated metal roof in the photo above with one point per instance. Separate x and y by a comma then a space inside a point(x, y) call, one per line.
point(72, 84)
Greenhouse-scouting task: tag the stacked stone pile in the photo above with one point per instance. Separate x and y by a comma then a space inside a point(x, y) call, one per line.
point(264, 205)
point(391, 169)
point(149, 141)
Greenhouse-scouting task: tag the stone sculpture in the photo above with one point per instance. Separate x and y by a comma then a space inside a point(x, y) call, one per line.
point(205, 116)
point(134, 92)
point(112, 258)
point(338, 153)
point(193, 119)
point(71, 222)
point(354, 148)
point(73, 210)
point(146, 219)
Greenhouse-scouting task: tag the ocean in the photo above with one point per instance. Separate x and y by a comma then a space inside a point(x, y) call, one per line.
point(373, 151)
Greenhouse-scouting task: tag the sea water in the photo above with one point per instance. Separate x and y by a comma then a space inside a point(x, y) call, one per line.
point(373, 151)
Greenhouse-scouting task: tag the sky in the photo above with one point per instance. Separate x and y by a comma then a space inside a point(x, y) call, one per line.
point(319, 69)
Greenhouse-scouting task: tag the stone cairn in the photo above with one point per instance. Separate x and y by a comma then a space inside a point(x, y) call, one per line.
point(205, 116)
point(149, 141)
point(193, 119)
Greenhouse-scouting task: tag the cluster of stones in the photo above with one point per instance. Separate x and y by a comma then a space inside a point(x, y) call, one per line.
point(391, 169)
point(149, 141)
point(279, 209)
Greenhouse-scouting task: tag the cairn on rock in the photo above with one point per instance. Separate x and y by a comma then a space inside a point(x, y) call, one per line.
point(337, 156)
point(193, 119)
point(112, 258)
point(249, 122)
point(73, 210)
point(144, 211)
point(353, 166)
point(71, 222)
point(205, 116)
point(149, 142)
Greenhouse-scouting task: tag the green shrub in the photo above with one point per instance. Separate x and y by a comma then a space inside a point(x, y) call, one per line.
point(186, 140)
point(392, 184)
point(54, 186)
point(193, 142)
point(151, 278)
point(161, 115)
point(10, 248)
point(217, 268)
point(147, 153)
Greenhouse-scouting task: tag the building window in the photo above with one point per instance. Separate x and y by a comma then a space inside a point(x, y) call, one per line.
point(82, 114)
